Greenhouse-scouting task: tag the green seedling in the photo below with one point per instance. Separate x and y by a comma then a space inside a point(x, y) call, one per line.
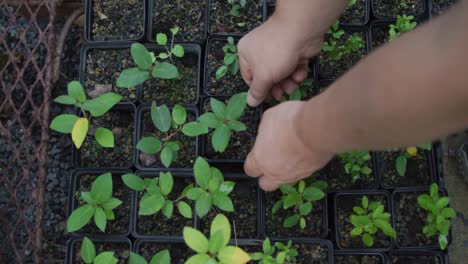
point(369, 219)
point(162, 257)
point(285, 253)
point(336, 51)
point(408, 153)
point(404, 24)
point(237, 6)
point(211, 189)
point(300, 92)
point(231, 60)
point(438, 220)
point(299, 199)
point(216, 248)
point(352, 3)
point(354, 163)
point(164, 121)
point(78, 126)
point(88, 254)
point(148, 64)
point(98, 203)
point(156, 193)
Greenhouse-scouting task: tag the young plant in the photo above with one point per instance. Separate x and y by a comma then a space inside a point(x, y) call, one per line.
point(215, 249)
point(162, 257)
point(155, 195)
point(300, 92)
point(285, 253)
point(299, 198)
point(164, 120)
point(404, 24)
point(438, 220)
point(211, 189)
point(98, 203)
point(351, 3)
point(354, 163)
point(88, 254)
point(410, 152)
point(237, 6)
point(148, 64)
point(78, 126)
point(335, 50)
point(369, 219)
point(231, 60)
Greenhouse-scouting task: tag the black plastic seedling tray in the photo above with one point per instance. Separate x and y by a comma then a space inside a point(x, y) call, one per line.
point(381, 256)
point(71, 246)
point(441, 257)
point(423, 15)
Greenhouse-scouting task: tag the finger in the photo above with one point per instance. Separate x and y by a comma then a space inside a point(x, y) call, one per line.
point(245, 71)
point(300, 74)
point(268, 184)
point(258, 91)
point(277, 92)
point(251, 167)
point(289, 85)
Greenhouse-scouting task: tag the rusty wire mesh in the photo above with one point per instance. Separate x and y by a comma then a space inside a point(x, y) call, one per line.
point(26, 55)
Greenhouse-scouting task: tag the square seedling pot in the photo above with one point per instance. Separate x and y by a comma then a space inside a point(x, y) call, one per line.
point(420, 10)
point(360, 257)
point(349, 16)
point(102, 244)
point(379, 31)
point(428, 257)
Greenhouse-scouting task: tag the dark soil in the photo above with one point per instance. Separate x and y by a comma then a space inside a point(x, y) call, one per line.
point(125, 19)
point(121, 250)
point(177, 91)
point(312, 253)
point(323, 85)
point(393, 8)
point(440, 6)
point(179, 252)
point(188, 15)
point(356, 15)
point(244, 219)
point(240, 142)
point(339, 180)
point(121, 122)
point(221, 20)
point(417, 259)
point(229, 84)
point(334, 69)
point(380, 34)
point(410, 219)
point(274, 222)
point(186, 154)
point(158, 224)
point(122, 213)
point(345, 204)
point(358, 259)
point(417, 170)
point(103, 67)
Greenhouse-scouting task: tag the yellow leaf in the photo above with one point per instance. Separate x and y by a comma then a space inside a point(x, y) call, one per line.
point(233, 255)
point(80, 129)
point(413, 151)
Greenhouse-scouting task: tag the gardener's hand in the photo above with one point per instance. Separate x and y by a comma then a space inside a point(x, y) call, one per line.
point(279, 154)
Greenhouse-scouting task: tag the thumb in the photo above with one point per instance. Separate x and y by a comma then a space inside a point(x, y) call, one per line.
point(258, 91)
point(251, 166)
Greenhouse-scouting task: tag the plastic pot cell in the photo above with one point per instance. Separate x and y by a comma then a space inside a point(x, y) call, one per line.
point(121, 120)
point(361, 257)
point(426, 257)
point(149, 247)
point(380, 31)
point(111, 20)
point(183, 90)
point(120, 246)
point(358, 14)
point(188, 145)
point(383, 9)
point(438, 7)
point(343, 209)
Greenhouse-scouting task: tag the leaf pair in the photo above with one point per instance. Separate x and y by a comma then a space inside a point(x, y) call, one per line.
point(286, 253)
point(88, 254)
point(335, 50)
point(162, 257)
point(230, 61)
point(355, 163)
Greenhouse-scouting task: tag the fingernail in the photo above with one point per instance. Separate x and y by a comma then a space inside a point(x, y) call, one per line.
point(252, 101)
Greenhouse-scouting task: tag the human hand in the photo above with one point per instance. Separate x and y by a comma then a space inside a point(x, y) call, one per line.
point(279, 155)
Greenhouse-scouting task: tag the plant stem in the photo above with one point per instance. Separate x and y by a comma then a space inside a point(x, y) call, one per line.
point(170, 136)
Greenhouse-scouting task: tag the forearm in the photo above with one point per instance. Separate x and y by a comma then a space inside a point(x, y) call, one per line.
point(411, 91)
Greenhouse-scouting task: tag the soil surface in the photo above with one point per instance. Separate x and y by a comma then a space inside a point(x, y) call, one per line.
point(410, 219)
point(417, 174)
point(179, 252)
point(122, 213)
point(339, 180)
point(240, 142)
point(177, 91)
point(121, 251)
point(440, 6)
point(380, 35)
point(393, 8)
point(221, 20)
point(414, 259)
point(333, 69)
point(229, 84)
point(274, 222)
point(186, 154)
point(358, 259)
point(344, 226)
point(121, 122)
point(356, 15)
point(312, 253)
point(103, 68)
point(245, 215)
point(124, 20)
point(158, 224)
point(188, 15)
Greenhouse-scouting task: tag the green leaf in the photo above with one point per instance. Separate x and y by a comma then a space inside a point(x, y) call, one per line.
point(151, 204)
point(401, 165)
point(221, 225)
point(277, 206)
point(443, 242)
point(210, 120)
point(79, 131)
point(229, 58)
point(109, 214)
point(149, 145)
point(174, 30)
point(291, 221)
point(227, 187)
point(165, 70)
point(161, 117)
point(426, 146)
point(215, 242)
point(100, 219)
point(167, 156)
point(102, 104)
point(87, 197)
point(221, 72)
point(75, 90)
point(287, 188)
point(425, 201)
point(442, 202)
point(178, 51)
point(195, 193)
point(161, 39)
point(448, 213)
point(112, 203)
point(168, 209)
point(66, 100)
point(231, 254)
point(434, 190)
point(203, 205)
point(202, 172)
point(136, 259)
point(236, 125)
point(106, 258)
point(291, 200)
point(220, 138)
point(179, 114)
point(141, 56)
point(166, 182)
point(218, 107)
point(305, 208)
point(385, 227)
point(223, 202)
point(302, 223)
point(356, 231)
point(132, 77)
point(236, 106)
point(185, 210)
point(104, 137)
point(133, 182)
point(199, 258)
point(358, 210)
point(313, 194)
point(368, 240)
point(194, 129)
point(365, 202)
point(162, 257)
point(87, 251)
point(80, 217)
point(64, 123)
point(195, 240)
point(101, 189)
